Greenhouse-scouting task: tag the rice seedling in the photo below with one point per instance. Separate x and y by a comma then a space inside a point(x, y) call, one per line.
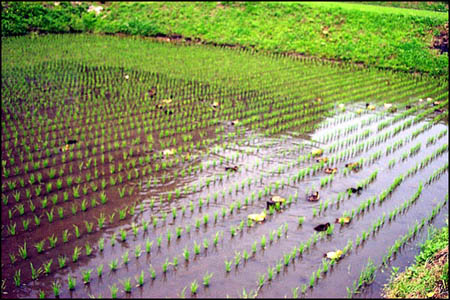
point(56, 286)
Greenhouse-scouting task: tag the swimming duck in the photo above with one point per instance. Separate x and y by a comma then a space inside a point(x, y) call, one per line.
point(387, 105)
point(324, 159)
point(235, 122)
point(357, 190)
point(317, 152)
point(333, 255)
point(359, 111)
point(257, 217)
point(274, 200)
point(429, 99)
point(64, 148)
point(70, 142)
point(371, 107)
point(353, 166)
point(233, 169)
point(393, 109)
point(152, 92)
point(168, 152)
point(436, 103)
point(314, 197)
point(215, 105)
point(439, 110)
point(344, 220)
point(330, 170)
point(318, 99)
point(408, 106)
point(322, 227)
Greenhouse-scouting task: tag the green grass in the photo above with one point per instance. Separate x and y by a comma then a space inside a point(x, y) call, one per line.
point(427, 277)
point(389, 37)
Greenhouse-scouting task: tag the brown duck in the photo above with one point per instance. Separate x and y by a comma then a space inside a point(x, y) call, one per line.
point(233, 169)
point(314, 197)
point(357, 190)
point(330, 170)
point(322, 227)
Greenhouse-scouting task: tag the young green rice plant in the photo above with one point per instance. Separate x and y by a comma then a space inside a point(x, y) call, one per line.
point(127, 285)
point(169, 235)
point(301, 220)
point(228, 265)
point(330, 229)
point(148, 246)
point(196, 248)
point(194, 287)
point(261, 280)
point(47, 266)
point(125, 258)
point(52, 239)
point(62, 261)
point(237, 259)
point(76, 254)
point(140, 279)
point(207, 278)
point(152, 272)
point(216, 239)
point(56, 286)
point(165, 265)
point(186, 254)
point(35, 272)
point(89, 226)
point(11, 229)
point(23, 251)
point(88, 249)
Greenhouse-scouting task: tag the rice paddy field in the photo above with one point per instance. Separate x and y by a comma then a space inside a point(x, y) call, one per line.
point(134, 168)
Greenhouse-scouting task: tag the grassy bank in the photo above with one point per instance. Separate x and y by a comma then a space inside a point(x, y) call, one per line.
point(388, 37)
point(428, 277)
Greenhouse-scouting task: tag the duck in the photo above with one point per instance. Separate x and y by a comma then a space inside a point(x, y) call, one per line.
point(353, 166)
point(314, 197)
point(322, 227)
point(359, 111)
point(393, 109)
point(64, 148)
point(357, 190)
point(257, 217)
point(318, 99)
point(408, 106)
point(70, 142)
point(215, 104)
point(344, 220)
point(168, 152)
point(370, 106)
point(233, 169)
point(152, 92)
point(317, 152)
point(439, 110)
point(168, 112)
point(436, 103)
point(274, 200)
point(330, 170)
point(429, 99)
point(235, 122)
point(322, 159)
point(387, 105)
point(333, 254)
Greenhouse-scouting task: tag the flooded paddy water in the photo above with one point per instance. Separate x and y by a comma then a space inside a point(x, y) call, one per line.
point(175, 149)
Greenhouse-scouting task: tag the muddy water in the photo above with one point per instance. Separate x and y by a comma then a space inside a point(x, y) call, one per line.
point(271, 152)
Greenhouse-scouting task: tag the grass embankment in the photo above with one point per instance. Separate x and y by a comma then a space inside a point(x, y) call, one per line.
point(379, 36)
point(428, 277)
